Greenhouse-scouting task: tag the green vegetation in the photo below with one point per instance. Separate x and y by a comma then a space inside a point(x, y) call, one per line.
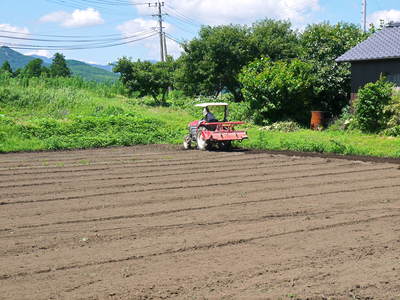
point(278, 90)
point(67, 113)
point(63, 113)
point(145, 78)
point(329, 141)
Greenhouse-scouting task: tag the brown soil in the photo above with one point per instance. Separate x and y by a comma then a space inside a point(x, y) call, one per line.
point(156, 222)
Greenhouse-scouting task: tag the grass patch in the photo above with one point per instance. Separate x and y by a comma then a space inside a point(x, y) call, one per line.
point(339, 142)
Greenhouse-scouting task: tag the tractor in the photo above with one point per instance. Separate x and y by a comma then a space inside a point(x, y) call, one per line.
point(210, 133)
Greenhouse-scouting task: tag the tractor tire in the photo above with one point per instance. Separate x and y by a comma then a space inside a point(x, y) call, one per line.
point(201, 143)
point(187, 142)
point(225, 146)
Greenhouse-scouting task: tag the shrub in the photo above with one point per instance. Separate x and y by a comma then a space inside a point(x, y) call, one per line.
point(370, 105)
point(278, 91)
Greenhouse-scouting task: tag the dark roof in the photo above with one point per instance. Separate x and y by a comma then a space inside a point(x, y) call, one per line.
point(384, 44)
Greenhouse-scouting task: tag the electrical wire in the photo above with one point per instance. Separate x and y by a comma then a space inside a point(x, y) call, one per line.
point(76, 41)
point(183, 16)
point(75, 47)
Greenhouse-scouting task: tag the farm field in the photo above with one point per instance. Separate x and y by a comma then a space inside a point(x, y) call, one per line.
point(157, 222)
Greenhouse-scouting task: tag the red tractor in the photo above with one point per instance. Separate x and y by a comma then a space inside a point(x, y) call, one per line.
point(210, 132)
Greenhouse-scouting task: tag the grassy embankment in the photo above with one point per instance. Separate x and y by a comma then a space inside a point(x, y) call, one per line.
point(39, 114)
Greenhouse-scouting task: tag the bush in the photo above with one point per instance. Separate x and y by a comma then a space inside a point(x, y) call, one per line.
point(278, 91)
point(370, 105)
point(392, 111)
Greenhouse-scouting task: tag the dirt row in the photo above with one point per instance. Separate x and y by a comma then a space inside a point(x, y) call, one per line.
point(157, 222)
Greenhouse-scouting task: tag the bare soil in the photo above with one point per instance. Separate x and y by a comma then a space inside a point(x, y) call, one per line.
point(157, 222)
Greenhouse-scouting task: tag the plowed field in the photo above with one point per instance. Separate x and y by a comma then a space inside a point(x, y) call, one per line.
point(156, 222)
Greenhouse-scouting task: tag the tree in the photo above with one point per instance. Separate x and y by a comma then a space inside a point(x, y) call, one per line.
point(59, 67)
point(147, 78)
point(213, 61)
point(322, 44)
point(6, 67)
point(278, 91)
point(34, 68)
point(274, 39)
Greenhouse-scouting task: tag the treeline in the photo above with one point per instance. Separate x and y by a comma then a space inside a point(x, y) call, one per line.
point(280, 73)
point(35, 68)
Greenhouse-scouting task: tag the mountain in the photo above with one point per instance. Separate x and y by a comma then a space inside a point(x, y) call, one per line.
point(78, 68)
point(16, 59)
point(90, 72)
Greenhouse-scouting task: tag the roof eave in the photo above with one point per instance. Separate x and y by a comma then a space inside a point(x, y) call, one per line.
point(339, 60)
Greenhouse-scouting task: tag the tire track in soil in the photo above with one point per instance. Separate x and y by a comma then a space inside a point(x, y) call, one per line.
point(203, 247)
point(201, 224)
point(133, 162)
point(170, 181)
point(160, 213)
point(182, 186)
point(250, 166)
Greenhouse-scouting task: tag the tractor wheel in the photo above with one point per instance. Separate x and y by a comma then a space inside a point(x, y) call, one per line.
point(187, 142)
point(201, 143)
point(225, 146)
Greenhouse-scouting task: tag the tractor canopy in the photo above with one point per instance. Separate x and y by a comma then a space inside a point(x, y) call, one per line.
point(215, 105)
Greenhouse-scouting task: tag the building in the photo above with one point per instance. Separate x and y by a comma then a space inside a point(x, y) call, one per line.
point(378, 55)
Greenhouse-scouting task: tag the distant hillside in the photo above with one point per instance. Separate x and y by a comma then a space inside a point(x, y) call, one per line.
point(90, 72)
point(16, 59)
point(78, 68)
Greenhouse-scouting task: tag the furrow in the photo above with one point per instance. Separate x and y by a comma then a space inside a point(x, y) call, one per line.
point(201, 247)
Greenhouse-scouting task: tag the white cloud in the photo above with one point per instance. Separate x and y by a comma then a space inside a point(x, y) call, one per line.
point(384, 15)
point(78, 18)
point(214, 12)
point(12, 31)
point(44, 53)
point(142, 27)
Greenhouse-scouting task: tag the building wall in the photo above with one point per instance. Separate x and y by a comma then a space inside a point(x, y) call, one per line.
point(364, 72)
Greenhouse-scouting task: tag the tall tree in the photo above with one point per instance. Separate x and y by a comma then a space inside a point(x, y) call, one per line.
point(34, 68)
point(212, 61)
point(147, 78)
point(274, 39)
point(59, 67)
point(6, 67)
point(321, 44)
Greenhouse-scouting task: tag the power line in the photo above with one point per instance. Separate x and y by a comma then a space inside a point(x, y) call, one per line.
point(77, 40)
point(189, 20)
point(76, 47)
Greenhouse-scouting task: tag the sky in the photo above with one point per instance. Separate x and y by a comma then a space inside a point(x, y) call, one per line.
point(130, 22)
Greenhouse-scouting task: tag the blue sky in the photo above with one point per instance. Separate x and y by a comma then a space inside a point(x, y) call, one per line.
point(88, 18)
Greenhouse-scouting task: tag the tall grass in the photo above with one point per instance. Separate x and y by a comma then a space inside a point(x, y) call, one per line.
point(61, 113)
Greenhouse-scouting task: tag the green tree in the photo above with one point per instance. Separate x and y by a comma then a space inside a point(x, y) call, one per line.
point(213, 61)
point(278, 91)
point(147, 78)
point(321, 45)
point(59, 67)
point(34, 68)
point(274, 39)
point(6, 67)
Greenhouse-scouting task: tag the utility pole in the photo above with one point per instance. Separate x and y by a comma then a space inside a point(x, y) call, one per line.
point(165, 46)
point(160, 5)
point(364, 15)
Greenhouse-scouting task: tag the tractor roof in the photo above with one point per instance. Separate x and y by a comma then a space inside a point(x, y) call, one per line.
point(212, 104)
